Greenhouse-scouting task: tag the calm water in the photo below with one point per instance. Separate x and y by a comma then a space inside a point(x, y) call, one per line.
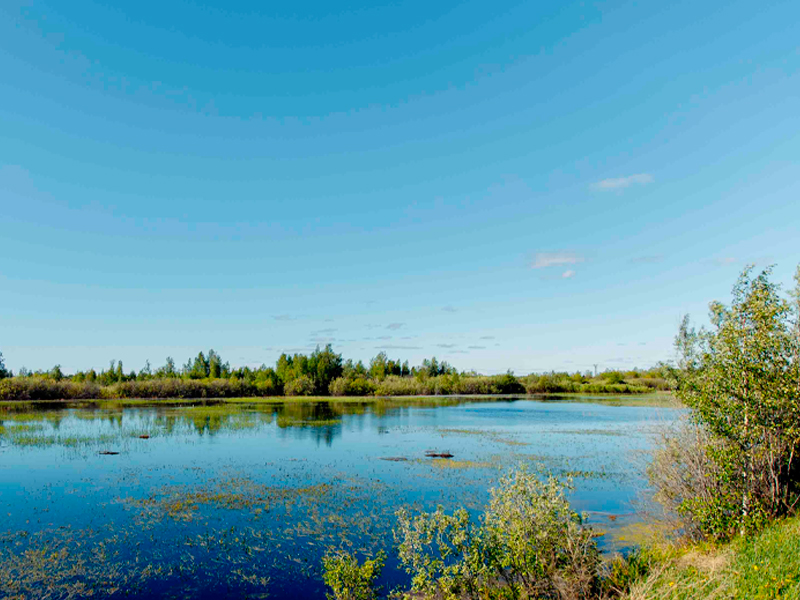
point(231, 501)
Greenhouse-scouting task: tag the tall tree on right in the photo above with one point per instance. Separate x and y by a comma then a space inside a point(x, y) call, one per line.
point(741, 378)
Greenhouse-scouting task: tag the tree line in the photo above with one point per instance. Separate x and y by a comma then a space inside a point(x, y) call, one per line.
point(324, 372)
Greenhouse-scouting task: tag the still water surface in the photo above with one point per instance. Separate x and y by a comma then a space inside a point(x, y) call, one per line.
point(242, 500)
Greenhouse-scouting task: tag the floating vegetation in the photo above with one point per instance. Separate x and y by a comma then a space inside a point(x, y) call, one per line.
point(230, 494)
point(291, 421)
point(494, 436)
point(579, 474)
point(442, 463)
point(43, 440)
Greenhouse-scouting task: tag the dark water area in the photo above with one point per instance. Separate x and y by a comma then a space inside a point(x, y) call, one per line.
point(242, 500)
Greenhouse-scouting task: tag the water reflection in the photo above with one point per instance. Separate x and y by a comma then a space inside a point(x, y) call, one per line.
point(215, 498)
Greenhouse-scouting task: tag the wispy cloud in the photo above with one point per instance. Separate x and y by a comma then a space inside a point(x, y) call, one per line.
point(450, 309)
point(395, 326)
point(283, 317)
point(652, 259)
point(445, 345)
point(568, 274)
point(487, 337)
point(477, 347)
point(393, 347)
point(618, 183)
point(542, 260)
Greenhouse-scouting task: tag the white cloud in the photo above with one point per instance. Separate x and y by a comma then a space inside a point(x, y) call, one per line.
point(618, 183)
point(394, 326)
point(543, 260)
point(450, 309)
point(568, 274)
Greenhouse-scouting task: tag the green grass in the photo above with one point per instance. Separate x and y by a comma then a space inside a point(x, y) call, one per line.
point(765, 566)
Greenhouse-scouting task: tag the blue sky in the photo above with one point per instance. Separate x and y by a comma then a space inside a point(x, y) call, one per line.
point(524, 185)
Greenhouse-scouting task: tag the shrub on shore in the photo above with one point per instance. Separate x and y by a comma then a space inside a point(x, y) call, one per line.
point(736, 465)
point(528, 544)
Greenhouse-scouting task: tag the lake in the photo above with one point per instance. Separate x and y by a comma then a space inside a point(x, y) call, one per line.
point(241, 500)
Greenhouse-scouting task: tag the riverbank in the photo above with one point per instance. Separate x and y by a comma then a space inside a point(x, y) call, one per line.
point(761, 566)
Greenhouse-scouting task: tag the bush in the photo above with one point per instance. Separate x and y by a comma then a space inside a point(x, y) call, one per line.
point(528, 544)
point(737, 467)
point(350, 580)
point(402, 386)
point(40, 388)
point(357, 386)
point(301, 386)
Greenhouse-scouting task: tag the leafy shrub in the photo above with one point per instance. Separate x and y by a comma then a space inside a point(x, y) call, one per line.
point(40, 388)
point(356, 386)
point(402, 386)
point(528, 544)
point(301, 386)
point(737, 467)
point(350, 580)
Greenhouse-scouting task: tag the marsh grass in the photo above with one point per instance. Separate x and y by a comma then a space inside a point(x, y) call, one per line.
point(292, 421)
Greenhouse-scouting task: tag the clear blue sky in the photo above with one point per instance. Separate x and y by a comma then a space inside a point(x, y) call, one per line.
point(526, 185)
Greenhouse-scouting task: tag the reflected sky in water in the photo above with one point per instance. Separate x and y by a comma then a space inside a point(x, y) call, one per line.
point(213, 500)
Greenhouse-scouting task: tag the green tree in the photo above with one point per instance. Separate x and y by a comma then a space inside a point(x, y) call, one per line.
point(3, 371)
point(56, 374)
point(285, 368)
point(215, 366)
point(741, 378)
point(146, 372)
point(324, 366)
point(197, 369)
point(378, 366)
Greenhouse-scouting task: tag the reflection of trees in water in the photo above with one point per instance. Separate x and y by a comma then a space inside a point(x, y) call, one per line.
point(320, 420)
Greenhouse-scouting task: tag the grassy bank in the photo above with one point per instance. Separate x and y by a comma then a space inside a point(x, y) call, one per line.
point(762, 566)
